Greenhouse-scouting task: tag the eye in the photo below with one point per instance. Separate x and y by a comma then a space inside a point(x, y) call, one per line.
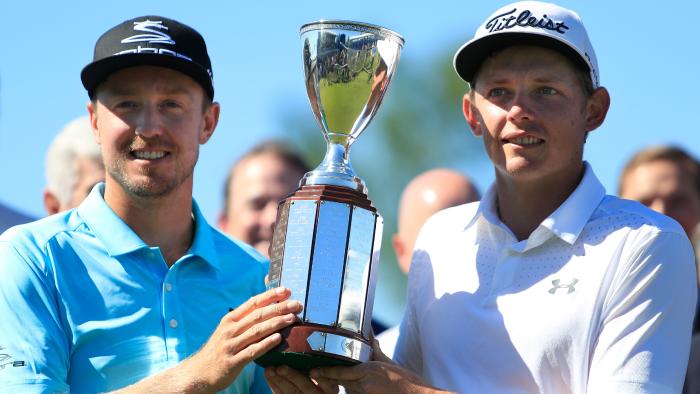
point(172, 104)
point(257, 204)
point(548, 91)
point(126, 104)
point(497, 92)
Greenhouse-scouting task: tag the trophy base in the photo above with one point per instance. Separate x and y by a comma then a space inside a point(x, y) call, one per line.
point(302, 362)
point(306, 346)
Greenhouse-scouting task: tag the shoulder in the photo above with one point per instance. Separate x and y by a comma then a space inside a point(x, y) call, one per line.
point(28, 252)
point(31, 239)
point(642, 241)
point(439, 237)
point(453, 218)
point(235, 250)
point(634, 217)
point(230, 245)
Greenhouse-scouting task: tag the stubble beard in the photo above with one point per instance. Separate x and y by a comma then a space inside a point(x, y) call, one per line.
point(152, 186)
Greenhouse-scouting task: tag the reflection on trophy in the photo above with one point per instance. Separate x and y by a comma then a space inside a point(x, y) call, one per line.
point(325, 246)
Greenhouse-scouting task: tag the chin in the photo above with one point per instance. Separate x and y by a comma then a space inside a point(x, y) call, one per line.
point(520, 168)
point(263, 248)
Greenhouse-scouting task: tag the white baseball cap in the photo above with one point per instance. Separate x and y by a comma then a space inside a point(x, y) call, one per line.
point(529, 23)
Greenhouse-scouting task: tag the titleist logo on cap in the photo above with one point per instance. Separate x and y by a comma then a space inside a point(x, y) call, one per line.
point(508, 20)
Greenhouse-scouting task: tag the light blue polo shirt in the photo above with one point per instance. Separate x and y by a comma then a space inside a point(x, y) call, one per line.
point(86, 306)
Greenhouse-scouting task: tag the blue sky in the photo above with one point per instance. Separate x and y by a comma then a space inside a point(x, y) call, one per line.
point(647, 53)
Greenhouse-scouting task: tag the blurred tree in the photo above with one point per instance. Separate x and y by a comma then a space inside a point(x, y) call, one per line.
point(418, 127)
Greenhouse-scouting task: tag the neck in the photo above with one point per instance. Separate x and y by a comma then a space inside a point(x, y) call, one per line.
point(165, 222)
point(523, 205)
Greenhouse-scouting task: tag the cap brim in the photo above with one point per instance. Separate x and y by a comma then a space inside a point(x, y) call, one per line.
point(96, 72)
point(469, 57)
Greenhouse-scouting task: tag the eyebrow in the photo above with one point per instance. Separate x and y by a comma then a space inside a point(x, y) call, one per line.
point(546, 79)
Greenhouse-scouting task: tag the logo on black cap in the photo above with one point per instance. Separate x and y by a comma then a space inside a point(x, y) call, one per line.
point(155, 36)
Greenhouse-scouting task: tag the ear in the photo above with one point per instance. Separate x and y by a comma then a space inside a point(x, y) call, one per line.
point(222, 222)
point(93, 120)
point(597, 108)
point(211, 119)
point(51, 203)
point(399, 247)
point(471, 115)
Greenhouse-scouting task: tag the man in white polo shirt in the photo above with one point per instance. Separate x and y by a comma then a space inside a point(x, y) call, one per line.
point(548, 284)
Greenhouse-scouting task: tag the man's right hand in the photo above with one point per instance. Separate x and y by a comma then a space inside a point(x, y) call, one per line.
point(243, 335)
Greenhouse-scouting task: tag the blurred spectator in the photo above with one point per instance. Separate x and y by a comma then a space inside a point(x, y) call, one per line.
point(73, 166)
point(667, 180)
point(425, 195)
point(255, 184)
point(9, 217)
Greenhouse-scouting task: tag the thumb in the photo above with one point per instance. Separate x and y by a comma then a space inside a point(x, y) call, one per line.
point(377, 354)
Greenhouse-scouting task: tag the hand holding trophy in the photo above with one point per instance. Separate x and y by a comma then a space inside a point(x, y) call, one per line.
point(325, 247)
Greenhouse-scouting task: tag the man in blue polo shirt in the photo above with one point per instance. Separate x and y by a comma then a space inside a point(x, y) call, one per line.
point(133, 290)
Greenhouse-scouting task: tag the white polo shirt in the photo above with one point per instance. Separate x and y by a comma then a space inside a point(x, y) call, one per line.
point(599, 299)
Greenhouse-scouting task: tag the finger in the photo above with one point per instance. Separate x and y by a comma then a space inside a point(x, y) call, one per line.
point(342, 374)
point(256, 349)
point(327, 386)
point(261, 300)
point(282, 384)
point(273, 380)
point(301, 382)
point(268, 312)
point(257, 333)
point(263, 322)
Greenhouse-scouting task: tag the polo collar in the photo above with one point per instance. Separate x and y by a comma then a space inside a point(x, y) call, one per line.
point(119, 239)
point(116, 237)
point(203, 244)
point(567, 221)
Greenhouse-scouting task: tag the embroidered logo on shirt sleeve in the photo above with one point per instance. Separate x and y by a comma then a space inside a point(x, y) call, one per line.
point(6, 360)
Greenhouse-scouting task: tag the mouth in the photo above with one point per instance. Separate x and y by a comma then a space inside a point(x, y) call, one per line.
point(148, 154)
point(524, 141)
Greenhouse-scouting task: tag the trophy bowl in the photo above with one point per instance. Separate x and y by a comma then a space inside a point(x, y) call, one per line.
point(325, 246)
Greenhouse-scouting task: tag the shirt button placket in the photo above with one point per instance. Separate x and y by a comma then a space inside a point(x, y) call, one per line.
point(170, 315)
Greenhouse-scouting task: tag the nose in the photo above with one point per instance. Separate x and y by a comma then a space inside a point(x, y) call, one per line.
point(148, 122)
point(520, 108)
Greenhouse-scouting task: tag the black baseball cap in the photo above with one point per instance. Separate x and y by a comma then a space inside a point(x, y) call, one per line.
point(154, 41)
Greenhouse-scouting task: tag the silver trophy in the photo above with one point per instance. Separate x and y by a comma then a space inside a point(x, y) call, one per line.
point(325, 246)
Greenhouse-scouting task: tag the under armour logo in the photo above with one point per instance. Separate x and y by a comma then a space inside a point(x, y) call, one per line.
point(556, 285)
point(155, 36)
